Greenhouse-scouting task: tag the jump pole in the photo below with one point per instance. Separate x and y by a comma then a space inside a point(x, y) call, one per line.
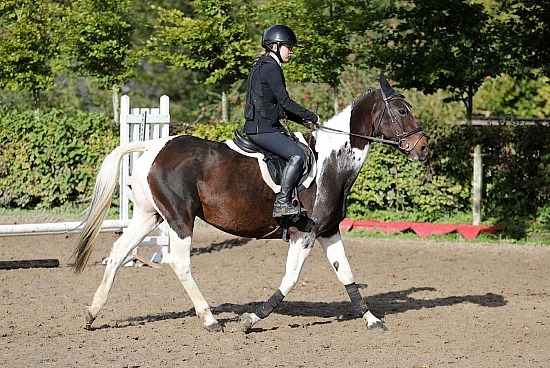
point(57, 228)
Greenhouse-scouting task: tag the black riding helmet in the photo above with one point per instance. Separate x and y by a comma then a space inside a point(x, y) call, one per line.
point(281, 35)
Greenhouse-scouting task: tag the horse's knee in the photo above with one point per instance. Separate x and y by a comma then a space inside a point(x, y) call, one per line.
point(181, 269)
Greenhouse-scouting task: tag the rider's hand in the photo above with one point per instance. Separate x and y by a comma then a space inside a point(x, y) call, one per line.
point(308, 123)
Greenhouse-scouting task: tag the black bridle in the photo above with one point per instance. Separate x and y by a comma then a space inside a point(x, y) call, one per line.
point(401, 144)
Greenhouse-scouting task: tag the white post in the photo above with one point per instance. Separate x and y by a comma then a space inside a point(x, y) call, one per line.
point(478, 185)
point(141, 124)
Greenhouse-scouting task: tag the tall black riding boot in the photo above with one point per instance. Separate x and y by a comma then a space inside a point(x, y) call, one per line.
point(283, 205)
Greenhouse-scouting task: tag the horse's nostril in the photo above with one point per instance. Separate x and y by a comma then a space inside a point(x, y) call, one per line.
point(425, 150)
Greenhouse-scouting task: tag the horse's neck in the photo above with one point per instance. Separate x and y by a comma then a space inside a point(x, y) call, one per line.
point(334, 148)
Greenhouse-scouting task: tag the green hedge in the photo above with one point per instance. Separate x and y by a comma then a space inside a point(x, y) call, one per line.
point(52, 160)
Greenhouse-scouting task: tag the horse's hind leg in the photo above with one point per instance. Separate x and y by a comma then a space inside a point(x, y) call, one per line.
point(334, 250)
point(142, 223)
point(180, 261)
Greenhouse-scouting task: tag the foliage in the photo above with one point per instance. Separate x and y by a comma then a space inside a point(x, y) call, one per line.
point(517, 175)
point(323, 29)
point(28, 46)
point(215, 44)
point(98, 42)
point(215, 132)
point(434, 44)
point(526, 29)
point(50, 161)
point(508, 96)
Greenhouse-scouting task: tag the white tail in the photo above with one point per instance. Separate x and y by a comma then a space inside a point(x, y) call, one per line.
point(106, 183)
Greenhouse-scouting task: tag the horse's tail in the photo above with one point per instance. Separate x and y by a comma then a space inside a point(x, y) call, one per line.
point(105, 186)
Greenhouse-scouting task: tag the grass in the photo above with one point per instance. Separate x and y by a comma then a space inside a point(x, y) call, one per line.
point(79, 213)
point(453, 237)
point(57, 214)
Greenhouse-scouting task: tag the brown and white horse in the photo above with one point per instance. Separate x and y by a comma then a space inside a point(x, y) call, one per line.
point(179, 178)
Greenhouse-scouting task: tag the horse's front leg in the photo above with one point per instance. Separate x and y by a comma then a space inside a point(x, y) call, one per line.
point(298, 252)
point(334, 250)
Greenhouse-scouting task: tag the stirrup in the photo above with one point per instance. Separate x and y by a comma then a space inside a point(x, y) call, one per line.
point(285, 209)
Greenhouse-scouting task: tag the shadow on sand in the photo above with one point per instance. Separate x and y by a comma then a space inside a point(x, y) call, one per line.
point(394, 302)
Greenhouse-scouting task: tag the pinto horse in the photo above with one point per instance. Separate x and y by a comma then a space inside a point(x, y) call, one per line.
point(179, 178)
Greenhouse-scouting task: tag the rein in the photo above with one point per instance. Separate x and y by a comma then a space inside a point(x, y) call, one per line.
point(401, 144)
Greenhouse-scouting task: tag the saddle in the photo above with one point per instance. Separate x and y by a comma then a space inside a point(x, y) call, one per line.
point(271, 165)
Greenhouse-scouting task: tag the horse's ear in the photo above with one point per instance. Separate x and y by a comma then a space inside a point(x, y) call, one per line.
point(386, 87)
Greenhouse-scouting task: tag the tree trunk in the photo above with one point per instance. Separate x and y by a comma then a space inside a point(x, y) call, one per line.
point(116, 106)
point(468, 102)
point(224, 106)
point(336, 105)
point(36, 98)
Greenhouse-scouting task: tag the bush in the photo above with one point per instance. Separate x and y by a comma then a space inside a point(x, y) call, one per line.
point(52, 160)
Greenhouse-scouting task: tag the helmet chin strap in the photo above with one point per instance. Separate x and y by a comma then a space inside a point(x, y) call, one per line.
point(278, 52)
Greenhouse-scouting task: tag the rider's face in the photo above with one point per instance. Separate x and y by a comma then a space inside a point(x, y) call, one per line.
point(286, 51)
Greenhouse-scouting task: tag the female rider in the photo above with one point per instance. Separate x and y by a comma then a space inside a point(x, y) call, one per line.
point(267, 101)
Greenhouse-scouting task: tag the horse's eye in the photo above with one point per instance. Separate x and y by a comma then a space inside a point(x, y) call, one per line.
point(402, 111)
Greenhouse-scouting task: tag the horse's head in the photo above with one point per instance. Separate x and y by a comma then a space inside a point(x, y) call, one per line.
point(389, 117)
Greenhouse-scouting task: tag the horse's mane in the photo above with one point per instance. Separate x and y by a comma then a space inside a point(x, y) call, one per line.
point(342, 118)
point(360, 99)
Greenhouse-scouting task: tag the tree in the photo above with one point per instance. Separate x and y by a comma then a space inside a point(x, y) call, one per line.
point(526, 36)
point(215, 43)
point(98, 35)
point(28, 46)
point(324, 29)
point(437, 44)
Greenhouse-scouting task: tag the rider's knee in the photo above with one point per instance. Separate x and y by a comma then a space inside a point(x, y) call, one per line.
point(297, 160)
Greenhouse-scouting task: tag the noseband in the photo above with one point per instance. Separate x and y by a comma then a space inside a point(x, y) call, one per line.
point(401, 144)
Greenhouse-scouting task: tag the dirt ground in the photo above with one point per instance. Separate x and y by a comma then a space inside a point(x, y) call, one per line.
point(445, 304)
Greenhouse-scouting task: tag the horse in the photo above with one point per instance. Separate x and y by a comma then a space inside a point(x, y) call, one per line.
point(179, 178)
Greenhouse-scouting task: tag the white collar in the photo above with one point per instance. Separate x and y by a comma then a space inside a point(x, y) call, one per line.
point(274, 57)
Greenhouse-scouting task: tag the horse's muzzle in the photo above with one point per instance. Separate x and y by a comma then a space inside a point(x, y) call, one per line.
point(419, 153)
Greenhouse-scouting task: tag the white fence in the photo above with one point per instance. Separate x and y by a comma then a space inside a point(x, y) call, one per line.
point(135, 124)
point(140, 124)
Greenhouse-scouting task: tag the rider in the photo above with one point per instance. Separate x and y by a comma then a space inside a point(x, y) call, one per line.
point(267, 101)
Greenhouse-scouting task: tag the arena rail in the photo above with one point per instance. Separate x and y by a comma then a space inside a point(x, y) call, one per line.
point(57, 228)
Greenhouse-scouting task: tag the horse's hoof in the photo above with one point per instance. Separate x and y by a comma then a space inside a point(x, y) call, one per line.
point(248, 320)
point(377, 326)
point(215, 327)
point(89, 318)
